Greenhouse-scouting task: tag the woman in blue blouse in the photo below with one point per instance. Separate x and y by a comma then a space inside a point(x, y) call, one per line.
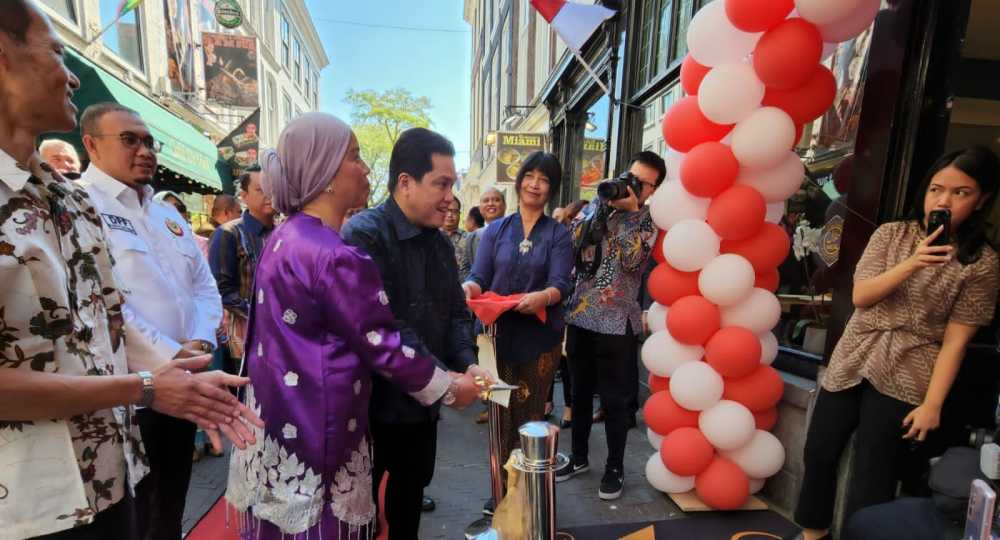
point(527, 252)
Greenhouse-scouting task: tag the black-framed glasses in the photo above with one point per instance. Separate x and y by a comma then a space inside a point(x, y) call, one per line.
point(132, 140)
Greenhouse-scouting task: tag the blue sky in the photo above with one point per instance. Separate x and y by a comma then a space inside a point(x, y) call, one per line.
point(432, 64)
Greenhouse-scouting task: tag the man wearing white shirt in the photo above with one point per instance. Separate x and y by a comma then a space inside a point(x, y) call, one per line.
point(170, 294)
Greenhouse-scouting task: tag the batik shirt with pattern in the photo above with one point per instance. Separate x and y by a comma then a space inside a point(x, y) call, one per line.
point(60, 312)
point(607, 302)
point(895, 342)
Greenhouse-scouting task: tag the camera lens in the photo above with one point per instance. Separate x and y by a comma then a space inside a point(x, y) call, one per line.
point(612, 190)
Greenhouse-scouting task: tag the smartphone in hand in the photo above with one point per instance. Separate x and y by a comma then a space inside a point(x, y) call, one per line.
point(940, 218)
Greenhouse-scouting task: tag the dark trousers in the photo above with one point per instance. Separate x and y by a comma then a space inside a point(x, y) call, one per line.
point(406, 452)
point(877, 420)
point(601, 363)
point(567, 382)
point(160, 496)
point(115, 523)
point(910, 518)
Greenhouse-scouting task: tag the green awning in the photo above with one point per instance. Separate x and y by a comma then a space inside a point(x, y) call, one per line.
point(185, 150)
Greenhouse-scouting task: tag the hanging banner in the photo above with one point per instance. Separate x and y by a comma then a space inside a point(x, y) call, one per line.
point(230, 69)
point(180, 46)
point(239, 148)
point(512, 149)
point(592, 161)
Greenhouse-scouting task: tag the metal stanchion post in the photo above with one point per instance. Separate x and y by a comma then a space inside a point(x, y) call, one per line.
point(482, 528)
point(539, 461)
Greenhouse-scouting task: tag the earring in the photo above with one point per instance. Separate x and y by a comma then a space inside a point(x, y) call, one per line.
point(328, 190)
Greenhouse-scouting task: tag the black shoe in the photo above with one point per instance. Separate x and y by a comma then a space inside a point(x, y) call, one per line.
point(566, 424)
point(611, 484)
point(490, 507)
point(427, 504)
point(572, 469)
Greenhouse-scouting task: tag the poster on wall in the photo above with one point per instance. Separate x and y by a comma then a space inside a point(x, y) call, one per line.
point(512, 149)
point(839, 125)
point(230, 69)
point(180, 46)
point(239, 149)
point(592, 161)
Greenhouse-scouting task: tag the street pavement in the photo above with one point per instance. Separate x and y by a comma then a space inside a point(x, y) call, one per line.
point(461, 480)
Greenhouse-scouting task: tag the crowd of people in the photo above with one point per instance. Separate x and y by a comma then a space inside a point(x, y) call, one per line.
point(337, 335)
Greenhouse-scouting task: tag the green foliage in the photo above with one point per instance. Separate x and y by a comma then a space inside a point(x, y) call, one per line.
point(377, 119)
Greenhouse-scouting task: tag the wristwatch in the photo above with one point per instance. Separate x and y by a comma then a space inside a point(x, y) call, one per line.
point(449, 396)
point(147, 388)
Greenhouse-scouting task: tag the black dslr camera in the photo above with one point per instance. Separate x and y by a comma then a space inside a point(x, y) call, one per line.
point(613, 190)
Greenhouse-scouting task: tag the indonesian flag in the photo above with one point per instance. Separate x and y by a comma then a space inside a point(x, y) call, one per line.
point(574, 23)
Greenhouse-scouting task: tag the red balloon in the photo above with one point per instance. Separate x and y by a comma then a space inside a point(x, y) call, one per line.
point(686, 452)
point(693, 320)
point(767, 280)
point(709, 169)
point(723, 485)
point(787, 55)
point(765, 250)
point(667, 284)
point(684, 126)
point(757, 15)
point(765, 420)
point(691, 75)
point(807, 102)
point(733, 351)
point(737, 213)
point(759, 391)
point(663, 415)
point(658, 384)
point(658, 247)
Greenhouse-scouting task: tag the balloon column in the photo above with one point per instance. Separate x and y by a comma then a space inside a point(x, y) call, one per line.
point(753, 77)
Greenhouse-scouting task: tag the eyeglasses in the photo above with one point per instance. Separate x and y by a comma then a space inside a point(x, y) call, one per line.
point(131, 140)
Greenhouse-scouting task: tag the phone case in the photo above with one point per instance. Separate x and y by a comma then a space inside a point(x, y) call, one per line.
point(979, 518)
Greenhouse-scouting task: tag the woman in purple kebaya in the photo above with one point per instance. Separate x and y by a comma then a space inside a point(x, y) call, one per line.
point(320, 326)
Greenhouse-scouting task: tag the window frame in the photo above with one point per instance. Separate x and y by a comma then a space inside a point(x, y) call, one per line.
point(285, 32)
point(116, 56)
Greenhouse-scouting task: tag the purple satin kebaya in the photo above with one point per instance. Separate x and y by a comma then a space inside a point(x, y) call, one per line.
point(320, 326)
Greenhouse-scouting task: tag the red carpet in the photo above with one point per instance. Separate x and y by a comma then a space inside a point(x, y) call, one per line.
point(213, 524)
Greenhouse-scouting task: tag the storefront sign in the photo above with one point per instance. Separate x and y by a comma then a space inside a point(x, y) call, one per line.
point(230, 69)
point(239, 148)
point(228, 13)
point(592, 161)
point(512, 149)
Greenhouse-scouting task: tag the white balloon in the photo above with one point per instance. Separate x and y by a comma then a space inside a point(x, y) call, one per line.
point(726, 280)
point(730, 92)
point(673, 158)
point(824, 11)
point(696, 386)
point(768, 348)
point(775, 211)
point(662, 354)
point(656, 317)
point(728, 425)
point(756, 484)
point(663, 480)
point(764, 138)
point(762, 457)
point(672, 203)
point(853, 24)
point(758, 312)
point(777, 183)
point(654, 438)
point(713, 40)
point(690, 244)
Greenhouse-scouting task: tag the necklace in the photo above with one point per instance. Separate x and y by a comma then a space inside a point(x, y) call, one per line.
point(524, 247)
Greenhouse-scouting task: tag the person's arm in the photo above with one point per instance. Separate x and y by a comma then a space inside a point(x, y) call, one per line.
point(481, 276)
point(350, 290)
point(208, 303)
point(635, 238)
point(927, 415)
point(139, 330)
point(224, 262)
point(873, 283)
point(461, 341)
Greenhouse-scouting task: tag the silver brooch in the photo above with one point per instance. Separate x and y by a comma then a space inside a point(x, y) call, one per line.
point(524, 247)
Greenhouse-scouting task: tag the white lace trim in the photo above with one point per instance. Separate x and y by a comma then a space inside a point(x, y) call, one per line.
point(351, 489)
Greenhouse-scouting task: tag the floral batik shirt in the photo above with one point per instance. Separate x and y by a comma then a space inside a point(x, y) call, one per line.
point(607, 302)
point(60, 312)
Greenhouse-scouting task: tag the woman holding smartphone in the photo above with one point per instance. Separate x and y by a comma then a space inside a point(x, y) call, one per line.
point(917, 306)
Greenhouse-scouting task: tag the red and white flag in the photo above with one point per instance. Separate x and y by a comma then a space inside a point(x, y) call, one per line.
point(574, 23)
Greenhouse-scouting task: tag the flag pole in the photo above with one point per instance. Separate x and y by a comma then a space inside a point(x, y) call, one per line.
point(121, 13)
point(593, 73)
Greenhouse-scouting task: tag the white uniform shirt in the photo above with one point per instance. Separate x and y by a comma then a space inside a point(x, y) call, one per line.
point(170, 294)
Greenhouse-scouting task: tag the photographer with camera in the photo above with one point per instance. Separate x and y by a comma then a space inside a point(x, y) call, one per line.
point(612, 242)
point(922, 288)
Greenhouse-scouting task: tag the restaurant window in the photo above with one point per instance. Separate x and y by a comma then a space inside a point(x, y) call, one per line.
point(593, 156)
point(646, 40)
point(814, 216)
point(663, 36)
point(685, 11)
point(65, 8)
point(664, 25)
point(285, 31)
point(124, 37)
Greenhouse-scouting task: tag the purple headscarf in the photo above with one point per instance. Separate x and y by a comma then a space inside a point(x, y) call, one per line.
point(310, 151)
